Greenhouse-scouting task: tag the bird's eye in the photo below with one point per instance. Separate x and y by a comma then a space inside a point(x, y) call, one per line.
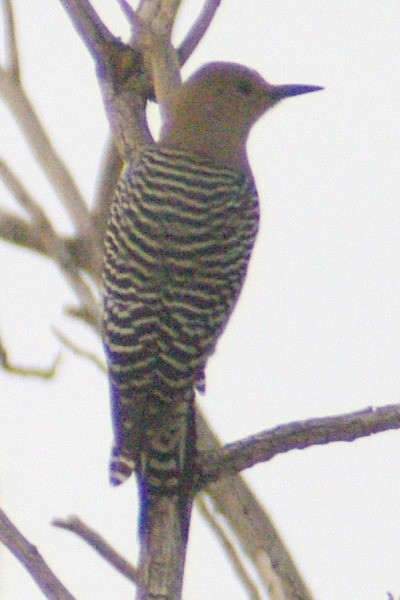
point(245, 87)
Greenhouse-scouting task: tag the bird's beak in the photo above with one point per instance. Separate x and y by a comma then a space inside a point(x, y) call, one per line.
point(292, 89)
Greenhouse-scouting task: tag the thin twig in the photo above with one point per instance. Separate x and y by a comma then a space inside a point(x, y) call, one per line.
point(262, 447)
point(44, 152)
point(29, 557)
point(11, 47)
point(84, 315)
point(89, 25)
point(16, 230)
point(8, 366)
point(229, 548)
point(198, 30)
point(23, 197)
point(96, 541)
point(90, 356)
point(90, 304)
point(53, 244)
point(128, 12)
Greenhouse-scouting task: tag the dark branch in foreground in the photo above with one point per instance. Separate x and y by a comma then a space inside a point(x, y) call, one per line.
point(98, 543)
point(29, 556)
point(243, 454)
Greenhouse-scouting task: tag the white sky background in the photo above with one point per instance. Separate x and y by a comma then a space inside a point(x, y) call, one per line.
point(316, 331)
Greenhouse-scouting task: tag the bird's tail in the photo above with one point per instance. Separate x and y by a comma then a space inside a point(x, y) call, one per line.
point(164, 467)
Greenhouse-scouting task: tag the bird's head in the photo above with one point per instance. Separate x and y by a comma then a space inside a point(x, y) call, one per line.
point(215, 108)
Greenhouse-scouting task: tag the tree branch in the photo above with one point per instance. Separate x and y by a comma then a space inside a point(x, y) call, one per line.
point(90, 27)
point(152, 30)
point(19, 232)
point(253, 527)
point(68, 253)
point(98, 543)
point(30, 558)
point(161, 15)
point(90, 356)
point(11, 47)
point(198, 30)
point(23, 197)
point(264, 446)
point(112, 162)
point(231, 496)
point(53, 245)
point(7, 365)
point(44, 152)
point(16, 230)
point(124, 80)
point(229, 548)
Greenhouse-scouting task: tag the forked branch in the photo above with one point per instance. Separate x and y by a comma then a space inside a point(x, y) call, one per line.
point(98, 543)
point(299, 435)
point(30, 558)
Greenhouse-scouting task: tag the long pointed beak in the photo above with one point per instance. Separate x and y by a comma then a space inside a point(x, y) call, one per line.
point(293, 89)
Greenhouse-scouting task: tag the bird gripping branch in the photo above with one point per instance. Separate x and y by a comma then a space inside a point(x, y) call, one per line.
point(181, 230)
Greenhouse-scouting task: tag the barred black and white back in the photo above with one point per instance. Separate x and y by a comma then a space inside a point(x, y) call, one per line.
point(178, 243)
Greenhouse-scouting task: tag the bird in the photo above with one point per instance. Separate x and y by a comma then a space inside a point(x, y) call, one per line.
point(181, 229)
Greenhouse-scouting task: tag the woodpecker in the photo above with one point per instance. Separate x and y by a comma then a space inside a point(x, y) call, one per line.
point(180, 234)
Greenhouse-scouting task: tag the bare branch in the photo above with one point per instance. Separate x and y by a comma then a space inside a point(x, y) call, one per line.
point(151, 31)
point(69, 254)
point(45, 153)
point(18, 231)
point(229, 548)
point(270, 576)
point(253, 527)
point(108, 175)
point(99, 544)
point(80, 351)
point(12, 59)
point(124, 81)
point(30, 558)
point(198, 30)
point(6, 364)
point(52, 244)
point(23, 197)
point(90, 305)
point(296, 436)
point(161, 15)
point(128, 11)
point(89, 26)
point(82, 314)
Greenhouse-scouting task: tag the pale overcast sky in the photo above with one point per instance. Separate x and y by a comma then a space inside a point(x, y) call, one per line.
point(316, 332)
